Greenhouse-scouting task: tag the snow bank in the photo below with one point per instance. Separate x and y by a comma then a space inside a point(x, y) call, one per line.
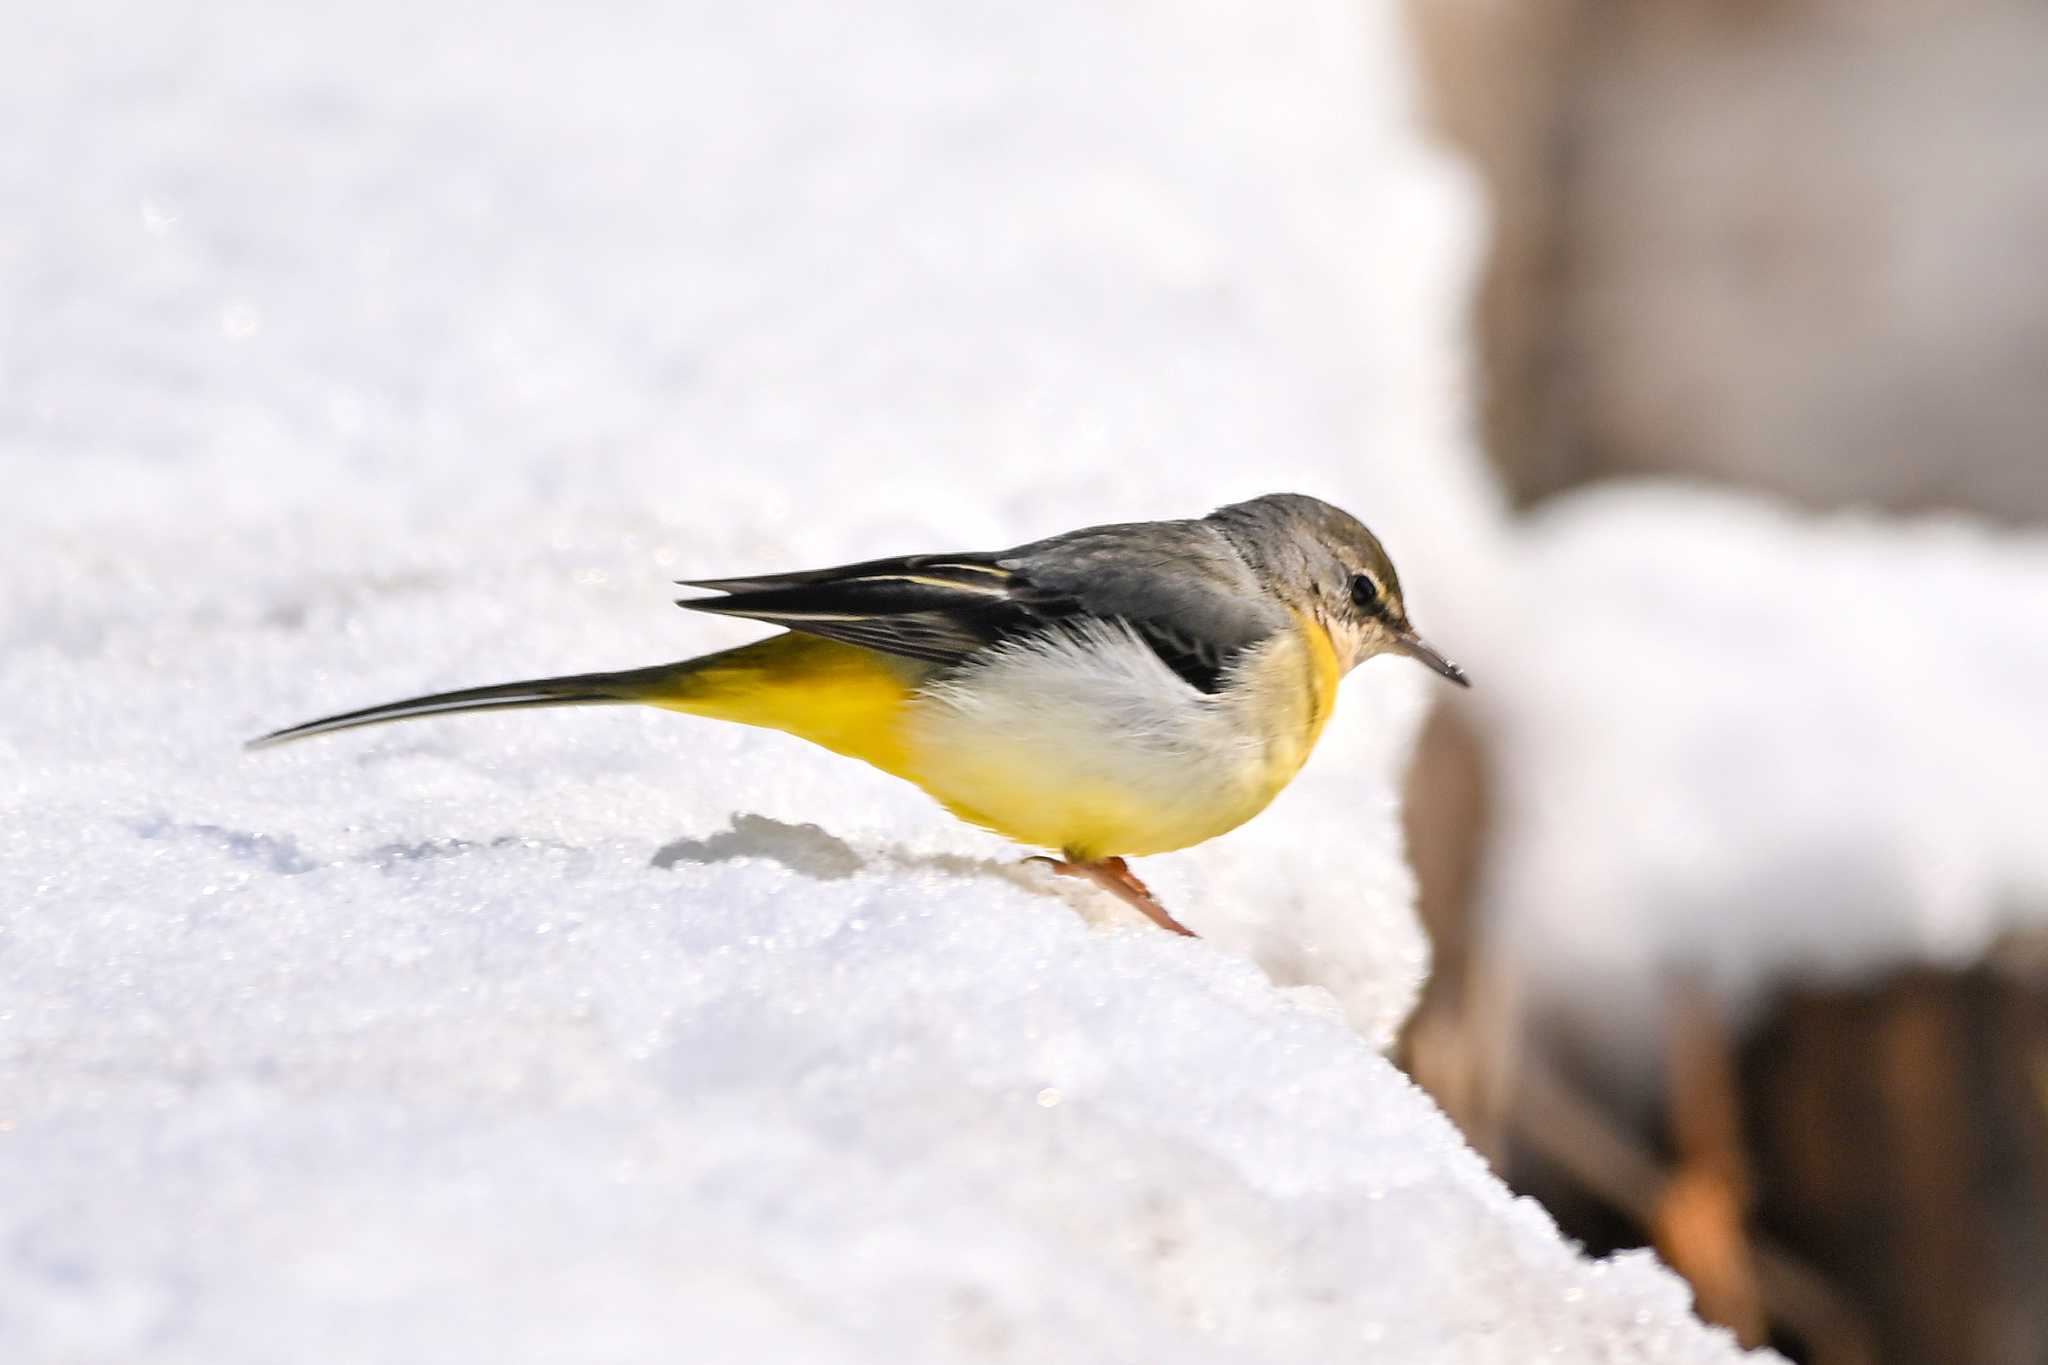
point(1743, 743)
point(399, 347)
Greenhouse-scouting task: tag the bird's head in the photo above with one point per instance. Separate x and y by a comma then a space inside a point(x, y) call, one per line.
point(1324, 563)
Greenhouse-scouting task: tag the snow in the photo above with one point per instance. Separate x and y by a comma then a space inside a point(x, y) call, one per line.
point(1745, 745)
point(353, 353)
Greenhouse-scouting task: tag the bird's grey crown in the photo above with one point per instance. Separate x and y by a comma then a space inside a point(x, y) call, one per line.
point(1291, 538)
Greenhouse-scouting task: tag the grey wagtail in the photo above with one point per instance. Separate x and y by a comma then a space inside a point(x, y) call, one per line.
point(1116, 690)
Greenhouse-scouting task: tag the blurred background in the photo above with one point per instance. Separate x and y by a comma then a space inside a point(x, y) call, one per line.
point(1733, 958)
point(1690, 355)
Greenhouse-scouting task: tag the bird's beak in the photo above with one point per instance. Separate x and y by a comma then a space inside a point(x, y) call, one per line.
point(1415, 647)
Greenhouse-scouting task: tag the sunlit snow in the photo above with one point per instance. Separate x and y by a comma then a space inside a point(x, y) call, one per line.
point(376, 348)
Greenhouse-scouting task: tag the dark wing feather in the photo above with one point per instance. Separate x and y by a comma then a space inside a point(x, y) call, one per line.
point(968, 570)
point(1201, 663)
point(939, 608)
point(1179, 585)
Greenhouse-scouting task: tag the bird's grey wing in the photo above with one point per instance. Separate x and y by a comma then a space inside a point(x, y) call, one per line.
point(939, 608)
point(1178, 585)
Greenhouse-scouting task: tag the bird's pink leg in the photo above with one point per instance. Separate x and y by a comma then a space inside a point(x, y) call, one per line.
point(1114, 875)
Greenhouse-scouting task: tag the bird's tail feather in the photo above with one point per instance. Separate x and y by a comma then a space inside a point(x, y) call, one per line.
point(576, 689)
point(841, 696)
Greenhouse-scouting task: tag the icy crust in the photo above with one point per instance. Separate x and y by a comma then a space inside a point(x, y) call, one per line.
point(865, 1119)
point(619, 1035)
point(1746, 744)
point(367, 350)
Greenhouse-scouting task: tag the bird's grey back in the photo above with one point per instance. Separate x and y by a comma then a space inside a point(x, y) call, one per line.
point(1183, 577)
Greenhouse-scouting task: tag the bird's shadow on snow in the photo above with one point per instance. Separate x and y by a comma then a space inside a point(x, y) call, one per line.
point(805, 849)
point(811, 851)
point(278, 853)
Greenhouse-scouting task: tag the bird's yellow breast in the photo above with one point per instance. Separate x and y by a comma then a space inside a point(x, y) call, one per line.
point(1084, 743)
point(1091, 745)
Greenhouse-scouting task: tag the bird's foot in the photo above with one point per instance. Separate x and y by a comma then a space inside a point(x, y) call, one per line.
point(1114, 875)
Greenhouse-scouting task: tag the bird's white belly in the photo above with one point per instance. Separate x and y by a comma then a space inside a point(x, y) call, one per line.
point(1088, 743)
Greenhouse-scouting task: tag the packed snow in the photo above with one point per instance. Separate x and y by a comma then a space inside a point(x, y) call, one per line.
point(358, 351)
point(1743, 746)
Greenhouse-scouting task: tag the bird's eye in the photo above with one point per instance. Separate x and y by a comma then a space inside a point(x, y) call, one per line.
point(1365, 594)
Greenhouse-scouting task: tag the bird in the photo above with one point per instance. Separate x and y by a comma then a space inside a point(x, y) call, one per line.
point(1107, 693)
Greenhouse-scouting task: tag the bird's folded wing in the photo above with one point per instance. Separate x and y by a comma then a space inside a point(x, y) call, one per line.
point(1178, 585)
point(936, 608)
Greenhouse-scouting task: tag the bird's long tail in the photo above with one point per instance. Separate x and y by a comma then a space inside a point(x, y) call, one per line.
point(576, 689)
point(841, 696)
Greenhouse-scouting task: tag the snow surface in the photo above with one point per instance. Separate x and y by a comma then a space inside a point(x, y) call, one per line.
point(1742, 744)
point(363, 350)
